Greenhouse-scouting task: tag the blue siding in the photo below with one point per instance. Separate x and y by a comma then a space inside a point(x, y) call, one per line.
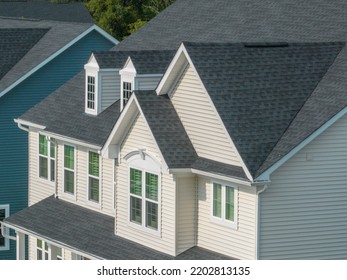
point(13, 141)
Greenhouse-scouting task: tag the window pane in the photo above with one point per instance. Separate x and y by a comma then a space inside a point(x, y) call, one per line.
point(52, 149)
point(69, 183)
point(2, 240)
point(229, 203)
point(2, 214)
point(39, 254)
point(43, 148)
point(136, 210)
point(217, 200)
point(94, 164)
point(152, 186)
point(39, 243)
point(43, 167)
point(151, 215)
point(135, 181)
point(93, 189)
point(69, 161)
point(2, 217)
point(52, 170)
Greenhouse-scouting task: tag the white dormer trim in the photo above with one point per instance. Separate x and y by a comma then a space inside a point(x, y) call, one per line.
point(127, 81)
point(166, 85)
point(92, 72)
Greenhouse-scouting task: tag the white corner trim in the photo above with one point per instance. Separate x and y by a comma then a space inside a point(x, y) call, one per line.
point(50, 58)
point(266, 174)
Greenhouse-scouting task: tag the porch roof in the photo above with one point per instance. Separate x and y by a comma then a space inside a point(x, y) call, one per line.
point(88, 232)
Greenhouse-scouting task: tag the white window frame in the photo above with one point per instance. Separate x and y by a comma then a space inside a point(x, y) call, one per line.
point(145, 163)
point(89, 201)
point(49, 159)
point(43, 250)
point(222, 220)
point(92, 72)
point(114, 186)
point(6, 246)
point(129, 91)
point(90, 92)
point(67, 194)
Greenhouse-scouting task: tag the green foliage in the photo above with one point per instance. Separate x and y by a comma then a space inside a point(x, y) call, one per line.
point(123, 17)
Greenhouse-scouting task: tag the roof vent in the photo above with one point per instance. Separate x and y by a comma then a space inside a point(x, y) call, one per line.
point(266, 45)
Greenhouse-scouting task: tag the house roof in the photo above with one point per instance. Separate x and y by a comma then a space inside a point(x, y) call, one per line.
point(45, 10)
point(15, 43)
point(258, 89)
point(57, 36)
point(88, 231)
point(146, 62)
point(63, 113)
point(242, 21)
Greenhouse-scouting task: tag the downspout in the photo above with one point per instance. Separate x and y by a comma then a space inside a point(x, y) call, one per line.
point(22, 127)
point(55, 167)
point(265, 186)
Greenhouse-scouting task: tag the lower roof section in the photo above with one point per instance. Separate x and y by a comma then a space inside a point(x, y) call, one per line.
point(88, 232)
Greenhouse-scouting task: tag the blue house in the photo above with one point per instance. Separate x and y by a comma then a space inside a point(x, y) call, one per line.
point(41, 47)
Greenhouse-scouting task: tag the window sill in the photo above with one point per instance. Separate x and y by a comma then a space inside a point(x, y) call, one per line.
point(143, 229)
point(46, 182)
point(224, 223)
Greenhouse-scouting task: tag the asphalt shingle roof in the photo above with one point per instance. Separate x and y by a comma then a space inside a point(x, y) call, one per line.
point(45, 10)
point(259, 89)
point(63, 113)
point(146, 62)
point(90, 232)
point(58, 35)
point(14, 44)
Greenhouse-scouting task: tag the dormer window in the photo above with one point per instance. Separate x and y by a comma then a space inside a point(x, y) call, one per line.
point(91, 92)
point(126, 92)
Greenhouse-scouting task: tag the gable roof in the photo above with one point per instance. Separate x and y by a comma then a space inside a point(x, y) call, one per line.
point(60, 35)
point(46, 10)
point(61, 222)
point(242, 21)
point(146, 62)
point(62, 113)
point(15, 43)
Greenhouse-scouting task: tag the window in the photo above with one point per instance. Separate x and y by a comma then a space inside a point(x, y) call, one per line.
point(126, 92)
point(42, 250)
point(69, 169)
point(91, 92)
point(46, 158)
point(94, 177)
point(4, 213)
point(59, 253)
point(224, 201)
point(144, 198)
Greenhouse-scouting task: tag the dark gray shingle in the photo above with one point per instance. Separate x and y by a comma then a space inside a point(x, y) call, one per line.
point(90, 232)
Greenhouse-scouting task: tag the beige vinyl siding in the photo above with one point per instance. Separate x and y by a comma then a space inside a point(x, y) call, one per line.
point(32, 248)
point(186, 213)
point(38, 188)
point(303, 213)
point(200, 120)
point(147, 83)
point(110, 88)
point(139, 137)
point(237, 243)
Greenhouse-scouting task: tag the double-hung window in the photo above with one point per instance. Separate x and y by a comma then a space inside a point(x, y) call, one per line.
point(144, 198)
point(69, 169)
point(94, 177)
point(42, 250)
point(46, 158)
point(126, 92)
point(4, 213)
point(91, 92)
point(224, 203)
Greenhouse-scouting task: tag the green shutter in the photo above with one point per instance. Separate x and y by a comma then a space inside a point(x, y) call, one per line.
point(136, 181)
point(152, 186)
point(229, 203)
point(43, 145)
point(217, 200)
point(93, 164)
point(69, 157)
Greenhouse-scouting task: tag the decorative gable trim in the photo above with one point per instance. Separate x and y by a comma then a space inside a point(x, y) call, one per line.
point(176, 67)
point(46, 61)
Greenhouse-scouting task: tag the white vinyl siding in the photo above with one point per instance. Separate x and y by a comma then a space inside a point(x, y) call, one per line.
point(110, 88)
point(147, 83)
point(200, 121)
point(139, 137)
point(237, 243)
point(186, 213)
point(303, 213)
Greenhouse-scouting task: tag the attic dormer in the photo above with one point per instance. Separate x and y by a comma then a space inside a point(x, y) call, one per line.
point(127, 79)
point(102, 83)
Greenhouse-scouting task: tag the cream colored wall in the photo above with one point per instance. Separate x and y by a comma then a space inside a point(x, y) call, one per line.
point(139, 137)
point(237, 243)
point(200, 121)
